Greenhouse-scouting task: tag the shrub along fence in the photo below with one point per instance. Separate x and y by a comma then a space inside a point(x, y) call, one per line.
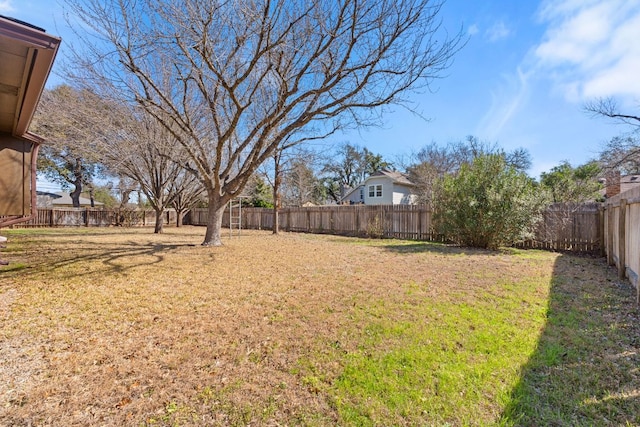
point(564, 227)
point(622, 235)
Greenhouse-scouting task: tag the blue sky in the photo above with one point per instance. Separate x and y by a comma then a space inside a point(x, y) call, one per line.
point(521, 80)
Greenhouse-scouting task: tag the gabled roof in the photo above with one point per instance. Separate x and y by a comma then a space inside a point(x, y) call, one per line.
point(395, 176)
point(64, 199)
point(26, 57)
point(350, 192)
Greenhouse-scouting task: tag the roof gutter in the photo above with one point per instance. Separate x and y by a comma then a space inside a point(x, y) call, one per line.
point(44, 48)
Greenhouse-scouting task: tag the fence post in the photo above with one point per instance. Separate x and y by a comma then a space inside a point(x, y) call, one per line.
point(331, 220)
point(601, 231)
point(289, 219)
point(610, 231)
point(622, 235)
point(356, 212)
point(419, 225)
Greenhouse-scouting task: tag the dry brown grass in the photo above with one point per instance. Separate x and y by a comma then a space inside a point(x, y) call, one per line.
point(123, 327)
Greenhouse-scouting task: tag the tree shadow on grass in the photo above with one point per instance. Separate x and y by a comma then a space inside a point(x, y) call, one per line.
point(115, 257)
point(440, 248)
point(585, 369)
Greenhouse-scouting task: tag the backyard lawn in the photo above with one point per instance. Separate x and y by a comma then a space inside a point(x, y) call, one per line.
point(121, 327)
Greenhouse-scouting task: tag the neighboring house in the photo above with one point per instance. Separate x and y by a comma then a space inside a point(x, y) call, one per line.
point(353, 196)
point(615, 184)
point(383, 188)
point(628, 182)
point(62, 200)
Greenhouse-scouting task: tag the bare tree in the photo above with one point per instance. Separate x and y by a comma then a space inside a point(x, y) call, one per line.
point(125, 214)
point(186, 191)
point(621, 152)
point(124, 139)
point(301, 184)
point(136, 146)
point(232, 80)
point(281, 157)
point(285, 159)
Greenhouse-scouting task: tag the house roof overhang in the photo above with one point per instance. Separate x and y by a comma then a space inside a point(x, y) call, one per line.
point(26, 58)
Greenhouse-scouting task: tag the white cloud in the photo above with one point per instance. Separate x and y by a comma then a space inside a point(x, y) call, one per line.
point(504, 105)
point(497, 31)
point(591, 48)
point(6, 6)
point(473, 30)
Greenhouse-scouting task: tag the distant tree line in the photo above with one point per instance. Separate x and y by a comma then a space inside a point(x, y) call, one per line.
point(480, 192)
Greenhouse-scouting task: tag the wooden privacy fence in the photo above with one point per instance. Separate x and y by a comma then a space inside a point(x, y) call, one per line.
point(565, 227)
point(577, 228)
point(85, 217)
point(399, 221)
point(622, 235)
point(569, 227)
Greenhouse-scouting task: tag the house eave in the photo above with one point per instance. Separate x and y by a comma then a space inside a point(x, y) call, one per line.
point(28, 53)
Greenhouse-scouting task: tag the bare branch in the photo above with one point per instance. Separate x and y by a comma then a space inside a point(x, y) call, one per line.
point(608, 107)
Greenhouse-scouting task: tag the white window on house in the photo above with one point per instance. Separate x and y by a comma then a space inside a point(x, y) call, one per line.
point(361, 193)
point(375, 190)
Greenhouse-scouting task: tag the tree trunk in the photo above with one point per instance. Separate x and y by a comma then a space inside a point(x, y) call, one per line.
point(75, 195)
point(213, 234)
point(276, 193)
point(159, 222)
point(77, 182)
point(179, 215)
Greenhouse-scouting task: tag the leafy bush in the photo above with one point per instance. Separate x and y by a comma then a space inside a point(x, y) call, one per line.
point(487, 204)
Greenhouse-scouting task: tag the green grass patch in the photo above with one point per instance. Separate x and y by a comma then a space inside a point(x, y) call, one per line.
point(435, 362)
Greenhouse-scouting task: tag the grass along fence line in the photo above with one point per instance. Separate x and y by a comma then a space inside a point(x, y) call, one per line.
point(564, 227)
point(577, 228)
point(117, 326)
